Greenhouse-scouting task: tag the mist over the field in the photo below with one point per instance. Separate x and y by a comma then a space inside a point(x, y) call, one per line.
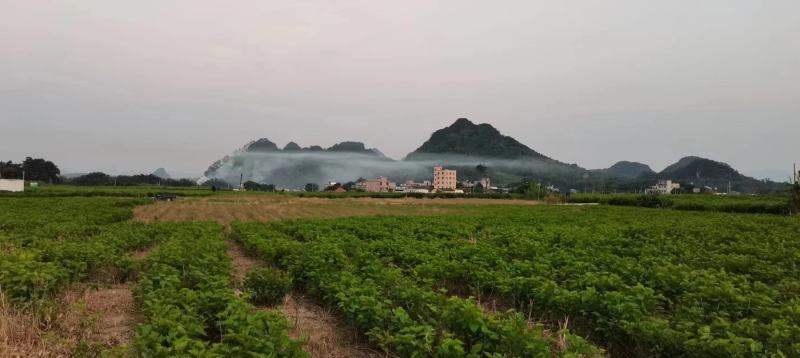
point(295, 169)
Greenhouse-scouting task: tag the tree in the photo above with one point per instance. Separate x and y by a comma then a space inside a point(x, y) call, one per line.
point(41, 170)
point(349, 186)
point(311, 187)
point(218, 183)
point(253, 186)
point(531, 189)
point(794, 196)
point(95, 178)
point(9, 170)
point(482, 170)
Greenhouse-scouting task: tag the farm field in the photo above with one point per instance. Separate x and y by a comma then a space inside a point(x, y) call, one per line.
point(119, 276)
point(757, 204)
point(228, 208)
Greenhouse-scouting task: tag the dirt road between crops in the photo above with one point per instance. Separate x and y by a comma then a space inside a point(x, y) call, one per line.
point(100, 313)
point(326, 334)
point(226, 209)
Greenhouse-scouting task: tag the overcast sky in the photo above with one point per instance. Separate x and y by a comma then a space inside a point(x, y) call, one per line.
point(130, 86)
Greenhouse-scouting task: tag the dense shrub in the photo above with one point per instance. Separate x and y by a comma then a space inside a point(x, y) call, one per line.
point(267, 286)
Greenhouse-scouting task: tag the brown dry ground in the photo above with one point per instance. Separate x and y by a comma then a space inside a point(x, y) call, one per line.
point(225, 209)
point(325, 333)
point(98, 315)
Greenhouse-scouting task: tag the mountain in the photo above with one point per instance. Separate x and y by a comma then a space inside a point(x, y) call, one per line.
point(473, 150)
point(292, 146)
point(479, 140)
point(697, 168)
point(626, 169)
point(294, 166)
point(261, 145)
point(706, 172)
point(354, 147)
point(161, 173)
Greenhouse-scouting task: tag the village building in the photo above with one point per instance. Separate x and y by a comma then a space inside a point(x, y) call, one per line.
point(444, 179)
point(335, 188)
point(379, 185)
point(12, 185)
point(410, 184)
point(663, 187)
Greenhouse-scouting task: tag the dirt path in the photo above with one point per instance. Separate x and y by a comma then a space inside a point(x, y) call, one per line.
point(105, 316)
point(327, 335)
point(241, 262)
point(99, 315)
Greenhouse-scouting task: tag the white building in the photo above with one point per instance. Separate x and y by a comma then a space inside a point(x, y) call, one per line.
point(14, 185)
point(664, 187)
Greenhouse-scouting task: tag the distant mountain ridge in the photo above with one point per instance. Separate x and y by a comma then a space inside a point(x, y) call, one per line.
point(265, 145)
point(706, 172)
point(464, 137)
point(463, 145)
point(161, 173)
point(626, 169)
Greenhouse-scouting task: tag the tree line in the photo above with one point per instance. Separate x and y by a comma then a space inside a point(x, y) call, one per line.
point(42, 170)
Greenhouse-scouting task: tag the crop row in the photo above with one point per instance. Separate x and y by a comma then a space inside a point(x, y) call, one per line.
point(397, 311)
point(760, 204)
point(639, 282)
point(44, 267)
point(190, 308)
point(72, 191)
point(48, 243)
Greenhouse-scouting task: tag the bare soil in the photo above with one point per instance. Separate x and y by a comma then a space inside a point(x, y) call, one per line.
point(241, 262)
point(325, 333)
point(106, 316)
point(101, 318)
point(100, 313)
point(25, 334)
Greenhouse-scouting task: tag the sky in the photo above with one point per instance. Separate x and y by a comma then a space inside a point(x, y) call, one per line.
point(130, 86)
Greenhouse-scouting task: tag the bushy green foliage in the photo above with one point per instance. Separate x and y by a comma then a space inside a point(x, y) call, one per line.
point(190, 309)
point(394, 305)
point(267, 286)
point(50, 242)
point(638, 282)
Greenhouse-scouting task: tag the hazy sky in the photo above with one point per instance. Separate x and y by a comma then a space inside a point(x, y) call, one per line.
point(136, 85)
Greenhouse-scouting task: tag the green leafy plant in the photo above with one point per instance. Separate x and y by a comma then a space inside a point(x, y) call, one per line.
point(267, 286)
point(639, 282)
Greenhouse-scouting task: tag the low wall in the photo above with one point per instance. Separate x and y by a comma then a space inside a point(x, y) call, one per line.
point(12, 185)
